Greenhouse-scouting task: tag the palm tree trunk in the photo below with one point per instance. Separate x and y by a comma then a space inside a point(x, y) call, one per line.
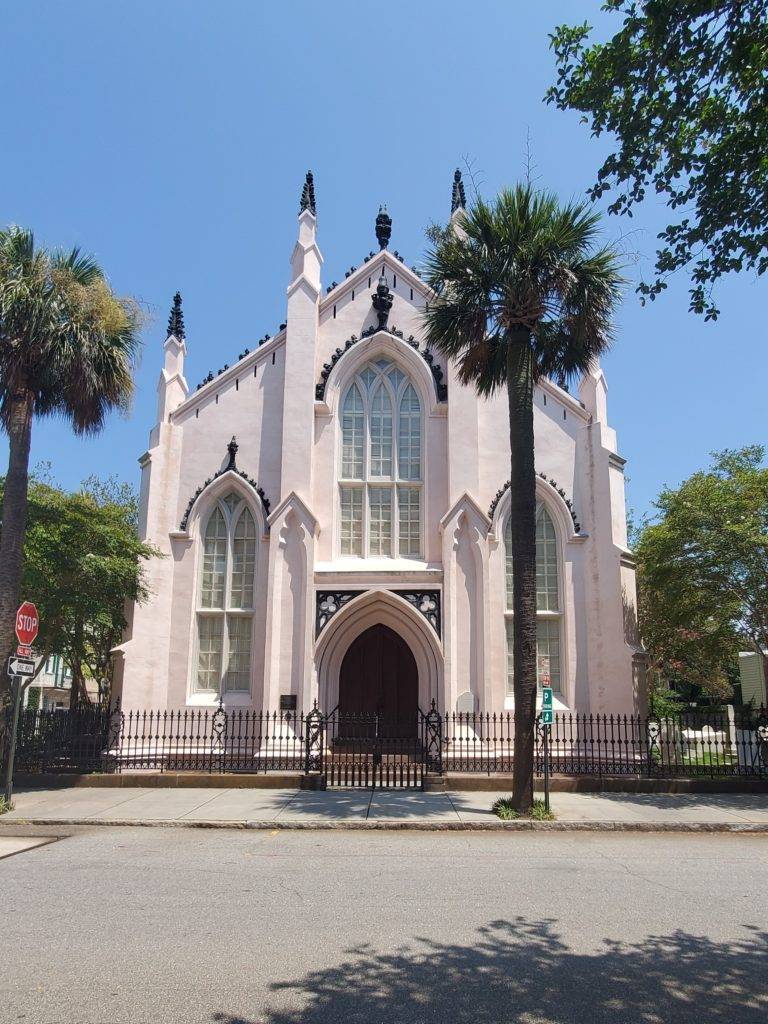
point(13, 529)
point(523, 526)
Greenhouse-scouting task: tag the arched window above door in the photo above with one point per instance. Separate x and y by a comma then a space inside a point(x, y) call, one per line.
point(381, 465)
point(225, 602)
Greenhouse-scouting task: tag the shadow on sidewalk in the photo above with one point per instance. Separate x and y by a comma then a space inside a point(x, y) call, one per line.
point(521, 971)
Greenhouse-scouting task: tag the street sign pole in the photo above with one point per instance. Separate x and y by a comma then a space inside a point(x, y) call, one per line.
point(547, 716)
point(19, 668)
point(546, 766)
point(8, 781)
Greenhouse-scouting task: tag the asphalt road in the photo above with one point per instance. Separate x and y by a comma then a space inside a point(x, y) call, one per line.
point(160, 925)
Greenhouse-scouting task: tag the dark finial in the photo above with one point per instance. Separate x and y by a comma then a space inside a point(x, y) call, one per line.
point(458, 198)
point(176, 319)
point(308, 195)
point(232, 448)
point(382, 301)
point(383, 227)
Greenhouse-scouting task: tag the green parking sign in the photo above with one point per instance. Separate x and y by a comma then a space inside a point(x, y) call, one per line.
point(546, 698)
point(547, 716)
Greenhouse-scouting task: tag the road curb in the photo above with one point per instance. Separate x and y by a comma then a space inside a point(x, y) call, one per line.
point(384, 825)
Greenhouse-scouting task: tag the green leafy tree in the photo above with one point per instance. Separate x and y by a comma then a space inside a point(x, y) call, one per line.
point(83, 562)
point(703, 573)
point(524, 291)
point(681, 88)
point(67, 348)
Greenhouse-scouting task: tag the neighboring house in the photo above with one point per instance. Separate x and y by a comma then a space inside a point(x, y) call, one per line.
point(351, 545)
point(51, 687)
point(753, 681)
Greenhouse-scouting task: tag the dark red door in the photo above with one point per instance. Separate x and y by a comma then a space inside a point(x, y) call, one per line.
point(379, 678)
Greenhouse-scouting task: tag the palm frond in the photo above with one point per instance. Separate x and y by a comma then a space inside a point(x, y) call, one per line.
point(525, 262)
point(64, 334)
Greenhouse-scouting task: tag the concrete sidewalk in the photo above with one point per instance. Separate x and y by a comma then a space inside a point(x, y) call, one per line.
point(358, 808)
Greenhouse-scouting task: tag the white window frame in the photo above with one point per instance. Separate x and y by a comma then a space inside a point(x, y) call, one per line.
point(231, 520)
point(393, 481)
point(542, 615)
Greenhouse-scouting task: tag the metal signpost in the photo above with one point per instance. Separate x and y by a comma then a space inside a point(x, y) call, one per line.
point(20, 667)
point(546, 717)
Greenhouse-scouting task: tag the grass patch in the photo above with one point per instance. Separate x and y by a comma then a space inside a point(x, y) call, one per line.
point(503, 809)
point(713, 758)
point(5, 806)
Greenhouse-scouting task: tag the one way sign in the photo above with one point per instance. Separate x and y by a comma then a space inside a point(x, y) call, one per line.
point(21, 667)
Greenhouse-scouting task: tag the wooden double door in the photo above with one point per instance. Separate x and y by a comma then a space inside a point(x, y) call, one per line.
point(379, 685)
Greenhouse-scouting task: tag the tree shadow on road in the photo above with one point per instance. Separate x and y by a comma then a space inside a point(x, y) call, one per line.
point(521, 971)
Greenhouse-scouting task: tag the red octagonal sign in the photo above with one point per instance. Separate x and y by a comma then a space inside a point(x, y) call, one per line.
point(27, 623)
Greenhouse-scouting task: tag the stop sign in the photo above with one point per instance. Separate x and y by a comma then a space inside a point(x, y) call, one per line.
point(27, 623)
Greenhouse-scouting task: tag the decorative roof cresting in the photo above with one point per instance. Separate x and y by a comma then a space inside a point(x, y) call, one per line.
point(553, 483)
point(308, 195)
point(231, 466)
point(176, 319)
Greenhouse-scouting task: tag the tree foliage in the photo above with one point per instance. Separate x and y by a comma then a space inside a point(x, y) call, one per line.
point(525, 289)
point(65, 336)
point(682, 89)
point(703, 572)
point(83, 561)
point(68, 346)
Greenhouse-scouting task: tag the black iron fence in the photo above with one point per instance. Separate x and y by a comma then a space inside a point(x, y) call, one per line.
point(376, 750)
point(733, 742)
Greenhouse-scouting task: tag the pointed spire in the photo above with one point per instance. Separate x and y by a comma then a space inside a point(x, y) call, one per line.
point(458, 198)
point(383, 227)
point(308, 195)
point(232, 448)
point(176, 319)
point(381, 300)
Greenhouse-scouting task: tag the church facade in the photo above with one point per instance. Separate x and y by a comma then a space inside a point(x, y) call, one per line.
point(333, 509)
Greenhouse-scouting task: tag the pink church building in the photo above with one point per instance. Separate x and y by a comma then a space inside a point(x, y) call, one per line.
point(349, 544)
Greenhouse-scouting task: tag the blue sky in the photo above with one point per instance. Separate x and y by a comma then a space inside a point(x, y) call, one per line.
point(171, 139)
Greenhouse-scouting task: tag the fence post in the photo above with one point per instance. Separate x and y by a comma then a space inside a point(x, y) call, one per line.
point(218, 735)
point(733, 742)
point(761, 739)
point(111, 761)
point(653, 731)
point(314, 749)
point(433, 777)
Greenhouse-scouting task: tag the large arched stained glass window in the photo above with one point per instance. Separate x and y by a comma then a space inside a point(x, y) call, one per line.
point(226, 598)
point(380, 489)
point(548, 613)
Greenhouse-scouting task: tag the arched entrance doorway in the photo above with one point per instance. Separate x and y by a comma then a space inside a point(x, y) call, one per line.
point(379, 678)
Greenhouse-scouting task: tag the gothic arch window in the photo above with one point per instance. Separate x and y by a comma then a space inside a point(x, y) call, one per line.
point(225, 598)
point(380, 486)
point(548, 603)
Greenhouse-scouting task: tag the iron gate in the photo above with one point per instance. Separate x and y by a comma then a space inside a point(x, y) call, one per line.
point(371, 750)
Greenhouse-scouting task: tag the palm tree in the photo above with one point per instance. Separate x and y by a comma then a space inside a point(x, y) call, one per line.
point(524, 291)
point(67, 348)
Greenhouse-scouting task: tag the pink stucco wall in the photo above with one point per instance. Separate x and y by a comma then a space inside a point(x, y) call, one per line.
point(289, 444)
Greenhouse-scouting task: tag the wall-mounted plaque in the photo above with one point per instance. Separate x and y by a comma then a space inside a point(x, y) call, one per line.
point(287, 701)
